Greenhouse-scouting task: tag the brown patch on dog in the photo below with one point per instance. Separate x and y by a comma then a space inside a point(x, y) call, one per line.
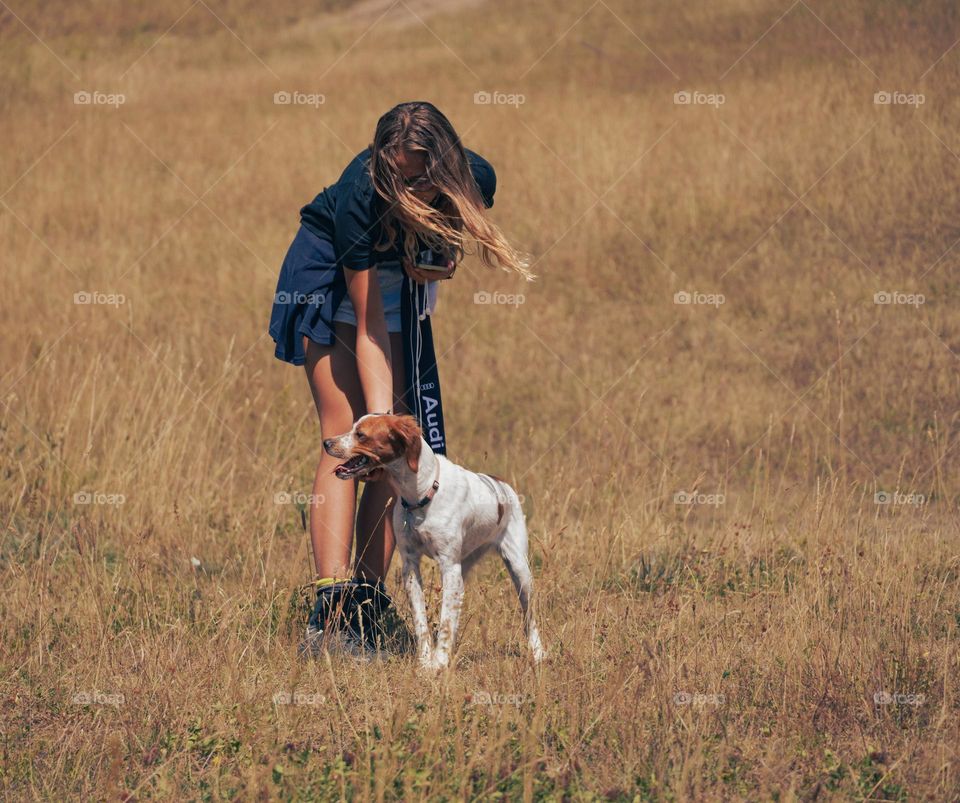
point(500, 507)
point(388, 437)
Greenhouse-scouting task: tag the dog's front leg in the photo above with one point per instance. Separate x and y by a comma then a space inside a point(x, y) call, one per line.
point(413, 584)
point(452, 579)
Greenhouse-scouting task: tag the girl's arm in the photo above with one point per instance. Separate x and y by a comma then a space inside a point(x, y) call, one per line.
point(373, 342)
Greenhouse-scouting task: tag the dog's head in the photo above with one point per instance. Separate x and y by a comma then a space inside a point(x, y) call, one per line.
point(376, 440)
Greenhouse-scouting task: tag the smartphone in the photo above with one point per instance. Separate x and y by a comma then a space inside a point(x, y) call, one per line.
point(425, 261)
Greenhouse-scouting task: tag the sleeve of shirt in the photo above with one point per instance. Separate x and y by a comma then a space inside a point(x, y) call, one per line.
point(354, 226)
point(484, 175)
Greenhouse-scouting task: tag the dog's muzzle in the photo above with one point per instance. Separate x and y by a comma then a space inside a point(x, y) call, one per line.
point(357, 466)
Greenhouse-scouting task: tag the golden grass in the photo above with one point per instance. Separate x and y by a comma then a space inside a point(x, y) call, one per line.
point(732, 650)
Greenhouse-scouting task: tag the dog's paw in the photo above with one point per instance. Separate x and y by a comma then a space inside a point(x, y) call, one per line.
point(426, 663)
point(429, 668)
point(435, 665)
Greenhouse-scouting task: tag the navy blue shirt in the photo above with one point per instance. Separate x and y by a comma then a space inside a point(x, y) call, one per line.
point(346, 213)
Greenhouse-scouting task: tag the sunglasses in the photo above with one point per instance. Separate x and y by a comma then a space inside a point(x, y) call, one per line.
point(421, 182)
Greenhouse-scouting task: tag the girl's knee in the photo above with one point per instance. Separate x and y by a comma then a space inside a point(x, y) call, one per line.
point(332, 425)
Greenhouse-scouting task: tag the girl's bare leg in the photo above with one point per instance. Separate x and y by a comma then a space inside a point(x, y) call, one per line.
point(335, 384)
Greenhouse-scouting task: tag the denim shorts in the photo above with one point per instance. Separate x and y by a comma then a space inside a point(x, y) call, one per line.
point(308, 289)
point(390, 280)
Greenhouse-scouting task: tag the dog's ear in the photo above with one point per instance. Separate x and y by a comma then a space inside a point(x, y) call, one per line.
point(409, 431)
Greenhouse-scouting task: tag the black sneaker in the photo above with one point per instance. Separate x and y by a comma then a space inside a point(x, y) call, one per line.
point(329, 627)
point(377, 622)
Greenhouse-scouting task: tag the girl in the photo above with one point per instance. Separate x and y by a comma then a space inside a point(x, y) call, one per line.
point(351, 306)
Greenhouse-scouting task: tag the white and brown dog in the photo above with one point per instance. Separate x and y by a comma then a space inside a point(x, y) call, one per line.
point(453, 515)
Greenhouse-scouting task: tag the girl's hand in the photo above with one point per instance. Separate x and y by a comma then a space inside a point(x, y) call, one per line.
point(421, 276)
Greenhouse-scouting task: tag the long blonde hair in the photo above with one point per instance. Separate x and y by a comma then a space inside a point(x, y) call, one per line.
point(457, 213)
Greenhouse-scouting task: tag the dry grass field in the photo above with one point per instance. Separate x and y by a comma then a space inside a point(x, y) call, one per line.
point(739, 461)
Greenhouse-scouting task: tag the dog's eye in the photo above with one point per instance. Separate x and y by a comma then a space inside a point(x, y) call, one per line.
point(361, 436)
